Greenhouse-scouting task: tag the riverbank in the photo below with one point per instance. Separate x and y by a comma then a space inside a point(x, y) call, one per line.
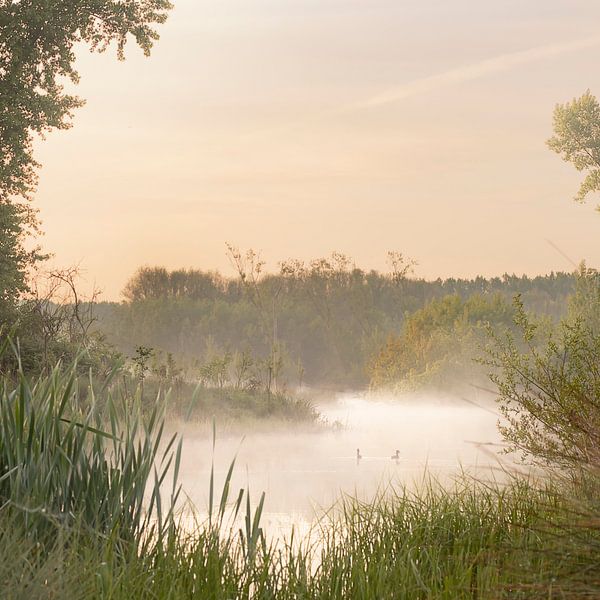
point(90, 494)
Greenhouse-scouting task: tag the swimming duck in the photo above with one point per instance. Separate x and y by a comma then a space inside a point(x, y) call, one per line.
point(396, 456)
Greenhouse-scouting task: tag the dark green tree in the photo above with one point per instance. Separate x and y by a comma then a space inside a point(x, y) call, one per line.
point(37, 54)
point(15, 258)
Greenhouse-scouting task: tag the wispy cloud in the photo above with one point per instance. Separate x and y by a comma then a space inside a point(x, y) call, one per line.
point(423, 85)
point(505, 62)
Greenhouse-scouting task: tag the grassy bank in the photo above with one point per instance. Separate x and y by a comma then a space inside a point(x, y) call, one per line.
point(81, 517)
point(470, 543)
point(186, 401)
point(231, 404)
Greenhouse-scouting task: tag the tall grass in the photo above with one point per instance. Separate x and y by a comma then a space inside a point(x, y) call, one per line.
point(87, 510)
point(473, 543)
point(99, 465)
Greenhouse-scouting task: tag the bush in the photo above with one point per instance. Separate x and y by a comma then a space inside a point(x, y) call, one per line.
point(549, 392)
point(439, 344)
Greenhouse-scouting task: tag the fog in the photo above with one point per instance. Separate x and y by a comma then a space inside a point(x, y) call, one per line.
point(303, 472)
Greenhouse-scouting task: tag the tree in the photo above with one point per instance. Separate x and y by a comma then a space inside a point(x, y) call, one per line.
point(439, 343)
point(400, 266)
point(15, 259)
point(584, 304)
point(154, 283)
point(577, 139)
point(263, 292)
point(37, 42)
point(548, 391)
point(549, 380)
point(141, 364)
point(60, 318)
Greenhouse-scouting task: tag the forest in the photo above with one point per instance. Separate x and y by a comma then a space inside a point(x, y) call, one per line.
point(327, 322)
point(304, 376)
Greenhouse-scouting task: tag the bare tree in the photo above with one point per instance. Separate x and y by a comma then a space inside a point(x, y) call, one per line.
point(62, 312)
point(264, 293)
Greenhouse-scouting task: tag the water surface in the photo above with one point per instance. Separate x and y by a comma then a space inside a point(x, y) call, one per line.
point(304, 472)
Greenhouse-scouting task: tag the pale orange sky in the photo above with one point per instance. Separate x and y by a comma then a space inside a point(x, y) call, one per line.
point(299, 127)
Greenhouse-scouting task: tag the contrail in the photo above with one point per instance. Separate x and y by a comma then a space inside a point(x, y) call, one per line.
point(458, 75)
point(474, 71)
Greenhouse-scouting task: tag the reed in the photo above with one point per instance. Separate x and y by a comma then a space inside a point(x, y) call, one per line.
point(99, 465)
point(88, 510)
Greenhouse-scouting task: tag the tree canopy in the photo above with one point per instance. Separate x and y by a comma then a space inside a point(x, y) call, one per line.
point(577, 139)
point(439, 343)
point(37, 55)
point(328, 318)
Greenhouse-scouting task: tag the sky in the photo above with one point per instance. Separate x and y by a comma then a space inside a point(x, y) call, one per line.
point(302, 127)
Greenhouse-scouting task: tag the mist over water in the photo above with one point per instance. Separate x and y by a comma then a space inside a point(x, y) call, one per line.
point(302, 472)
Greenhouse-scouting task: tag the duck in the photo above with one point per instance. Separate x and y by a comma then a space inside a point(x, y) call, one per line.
point(396, 456)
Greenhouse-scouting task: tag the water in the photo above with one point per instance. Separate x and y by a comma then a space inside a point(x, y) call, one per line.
point(304, 472)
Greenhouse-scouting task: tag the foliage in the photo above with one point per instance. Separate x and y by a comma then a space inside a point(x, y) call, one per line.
point(152, 283)
point(474, 542)
point(16, 261)
point(265, 295)
point(54, 322)
point(67, 458)
point(230, 401)
point(37, 53)
point(439, 343)
point(74, 471)
point(577, 139)
point(141, 361)
point(232, 405)
point(166, 369)
point(549, 392)
point(585, 302)
point(329, 317)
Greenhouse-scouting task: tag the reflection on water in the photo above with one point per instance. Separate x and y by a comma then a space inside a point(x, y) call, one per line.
point(303, 471)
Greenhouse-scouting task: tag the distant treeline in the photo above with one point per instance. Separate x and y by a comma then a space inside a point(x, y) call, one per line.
point(321, 322)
